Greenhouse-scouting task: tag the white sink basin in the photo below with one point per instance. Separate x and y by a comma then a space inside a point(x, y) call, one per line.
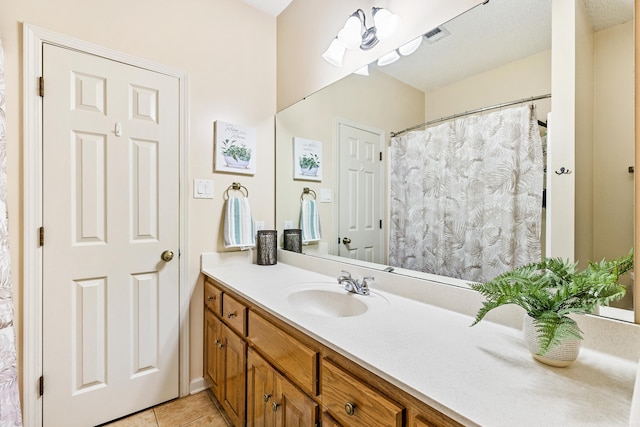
point(331, 300)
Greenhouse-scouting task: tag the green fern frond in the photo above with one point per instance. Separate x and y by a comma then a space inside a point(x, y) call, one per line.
point(553, 328)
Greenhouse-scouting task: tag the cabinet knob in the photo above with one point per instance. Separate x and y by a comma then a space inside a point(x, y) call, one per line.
point(349, 408)
point(209, 298)
point(231, 315)
point(275, 406)
point(267, 397)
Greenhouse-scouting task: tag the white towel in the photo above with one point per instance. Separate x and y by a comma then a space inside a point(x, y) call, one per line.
point(309, 222)
point(238, 224)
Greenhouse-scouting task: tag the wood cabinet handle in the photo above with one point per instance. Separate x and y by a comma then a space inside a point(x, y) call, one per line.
point(267, 397)
point(349, 408)
point(275, 406)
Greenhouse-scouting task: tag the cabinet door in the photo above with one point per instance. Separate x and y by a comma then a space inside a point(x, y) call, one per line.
point(212, 352)
point(259, 391)
point(293, 408)
point(329, 421)
point(234, 386)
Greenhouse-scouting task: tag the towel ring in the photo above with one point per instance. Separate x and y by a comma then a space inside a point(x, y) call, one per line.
point(307, 190)
point(237, 187)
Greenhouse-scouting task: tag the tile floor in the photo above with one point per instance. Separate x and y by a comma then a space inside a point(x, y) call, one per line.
point(196, 410)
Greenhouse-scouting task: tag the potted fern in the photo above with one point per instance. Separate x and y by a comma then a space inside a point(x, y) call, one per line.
point(549, 291)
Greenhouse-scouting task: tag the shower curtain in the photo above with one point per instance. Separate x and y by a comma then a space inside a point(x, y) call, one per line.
point(467, 195)
point(10, 414)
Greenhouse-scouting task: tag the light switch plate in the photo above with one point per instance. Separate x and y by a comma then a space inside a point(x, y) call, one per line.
point(203, 189)
point(326, 195)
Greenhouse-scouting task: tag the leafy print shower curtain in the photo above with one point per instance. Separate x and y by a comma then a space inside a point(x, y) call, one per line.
point(467, 195)
point(10, 414)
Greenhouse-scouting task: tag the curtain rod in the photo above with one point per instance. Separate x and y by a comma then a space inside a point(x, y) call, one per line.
point(468, 113)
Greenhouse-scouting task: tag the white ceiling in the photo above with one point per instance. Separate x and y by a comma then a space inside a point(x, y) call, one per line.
point(272, 7)
point(490, 35)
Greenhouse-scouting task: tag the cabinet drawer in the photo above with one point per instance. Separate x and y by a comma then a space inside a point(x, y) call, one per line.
point(212, 298)
point(353, 403)
point(297, 361)
point(234, 314)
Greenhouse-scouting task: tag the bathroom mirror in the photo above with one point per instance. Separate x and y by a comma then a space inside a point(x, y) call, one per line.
point(492, 54)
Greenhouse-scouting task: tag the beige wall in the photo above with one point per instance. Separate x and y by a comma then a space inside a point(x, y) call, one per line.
point(613, 144)
point(524, 78)
point(377, 101)
point(306, 28)
point(223, 45)
point(584, 159)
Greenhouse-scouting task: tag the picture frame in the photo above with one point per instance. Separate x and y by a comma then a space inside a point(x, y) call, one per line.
point(234, 148)
point(307, 159)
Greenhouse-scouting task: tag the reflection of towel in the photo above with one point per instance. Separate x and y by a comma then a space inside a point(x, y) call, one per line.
point(238, 224)
point(309, 221)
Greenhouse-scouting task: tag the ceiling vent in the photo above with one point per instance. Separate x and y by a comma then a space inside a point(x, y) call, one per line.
point(436, 34)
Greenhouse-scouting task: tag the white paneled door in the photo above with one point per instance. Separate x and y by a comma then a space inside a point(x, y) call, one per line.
point(110, 213)
point(359, 174)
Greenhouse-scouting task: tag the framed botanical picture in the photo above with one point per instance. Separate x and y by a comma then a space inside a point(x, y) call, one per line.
point(307, 159)
point(235, 148)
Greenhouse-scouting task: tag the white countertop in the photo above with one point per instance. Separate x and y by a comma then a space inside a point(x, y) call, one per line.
point(478, 376)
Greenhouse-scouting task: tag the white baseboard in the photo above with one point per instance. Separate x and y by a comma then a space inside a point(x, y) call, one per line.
point(197, 385)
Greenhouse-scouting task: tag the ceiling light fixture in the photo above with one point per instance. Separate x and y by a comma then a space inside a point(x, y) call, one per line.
point(363, 71)
point(389, 58)
point(334, 54)
point(352, 36)
point(409, 48)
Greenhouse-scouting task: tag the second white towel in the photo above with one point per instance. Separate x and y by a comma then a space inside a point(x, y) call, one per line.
point(310, 222)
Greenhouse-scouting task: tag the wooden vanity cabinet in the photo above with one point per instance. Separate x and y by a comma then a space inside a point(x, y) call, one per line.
point(266, 372)
point(272, 400)
point(225, 365)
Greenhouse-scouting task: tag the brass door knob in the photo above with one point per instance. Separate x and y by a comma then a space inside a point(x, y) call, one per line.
point(346, 240)
point(167, 256)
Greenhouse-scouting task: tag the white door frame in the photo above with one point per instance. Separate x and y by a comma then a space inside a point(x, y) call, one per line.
point(33, 38)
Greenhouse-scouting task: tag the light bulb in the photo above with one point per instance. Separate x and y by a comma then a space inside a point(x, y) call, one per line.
point(409, 48)
point(334, 53)
point(363, 71)
point(389, 58)
point(350, 35)
point(386, 22)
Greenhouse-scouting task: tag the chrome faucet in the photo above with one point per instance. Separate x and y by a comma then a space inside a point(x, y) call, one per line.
point(353, 285)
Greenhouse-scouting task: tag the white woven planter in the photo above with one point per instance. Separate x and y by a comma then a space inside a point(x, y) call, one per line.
point(560, 356)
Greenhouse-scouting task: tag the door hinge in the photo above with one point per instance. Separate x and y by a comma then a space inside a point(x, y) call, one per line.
point(41, 385)
point(381, 156)
point(41, 86)
point(380, 224)
point(41, 236)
